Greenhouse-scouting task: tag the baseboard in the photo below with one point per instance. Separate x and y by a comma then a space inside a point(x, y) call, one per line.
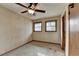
point(15, 48)
point(46, 42)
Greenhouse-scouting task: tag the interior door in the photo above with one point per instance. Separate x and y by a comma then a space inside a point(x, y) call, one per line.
point(74, 30)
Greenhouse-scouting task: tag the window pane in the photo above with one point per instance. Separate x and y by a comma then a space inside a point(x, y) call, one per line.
point(38, 24)
point(51, 26)
point(37, 27)
point(52, 23)
point(48, 24)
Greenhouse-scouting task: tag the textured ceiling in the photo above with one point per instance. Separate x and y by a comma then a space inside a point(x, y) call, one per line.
point(52, 9)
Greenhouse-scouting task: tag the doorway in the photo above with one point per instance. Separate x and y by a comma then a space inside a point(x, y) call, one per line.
point(63, 31)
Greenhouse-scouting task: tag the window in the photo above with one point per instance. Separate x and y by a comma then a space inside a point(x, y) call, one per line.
point(51, 26)
point(37, 27)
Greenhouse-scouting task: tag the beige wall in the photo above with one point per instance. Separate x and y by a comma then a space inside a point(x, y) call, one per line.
point(15, 30)
point(53, 37)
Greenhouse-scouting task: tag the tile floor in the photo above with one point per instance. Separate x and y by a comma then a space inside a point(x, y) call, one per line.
point(37, 49)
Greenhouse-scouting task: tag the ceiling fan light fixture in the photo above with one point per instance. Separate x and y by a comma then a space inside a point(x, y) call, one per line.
point(31, 11)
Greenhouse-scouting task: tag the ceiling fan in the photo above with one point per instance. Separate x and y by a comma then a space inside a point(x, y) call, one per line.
point(31, 9)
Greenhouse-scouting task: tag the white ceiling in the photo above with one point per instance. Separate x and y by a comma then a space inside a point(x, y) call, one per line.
point(52, 9)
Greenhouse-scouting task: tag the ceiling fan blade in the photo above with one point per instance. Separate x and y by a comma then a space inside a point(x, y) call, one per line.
point(24, 11)
point(35, 4)
point(37, 10)
point(30, 5)
point(21, 5)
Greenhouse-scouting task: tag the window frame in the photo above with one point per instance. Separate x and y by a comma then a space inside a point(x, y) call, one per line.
point(55, 25)
point(34, 26)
